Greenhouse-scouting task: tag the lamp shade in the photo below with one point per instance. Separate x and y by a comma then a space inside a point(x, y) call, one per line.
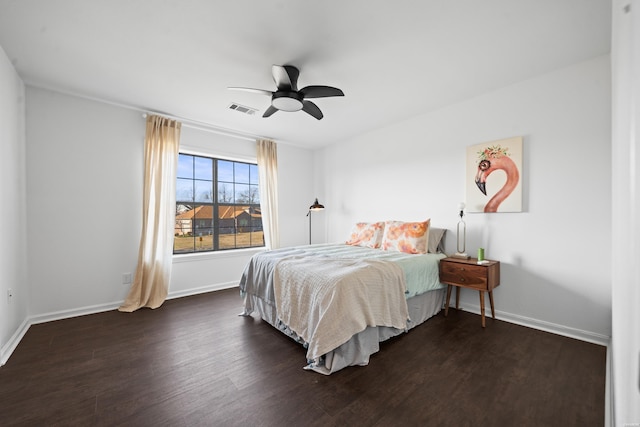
point(316, 206)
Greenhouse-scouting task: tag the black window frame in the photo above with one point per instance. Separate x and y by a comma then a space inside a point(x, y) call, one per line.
point(241, 204)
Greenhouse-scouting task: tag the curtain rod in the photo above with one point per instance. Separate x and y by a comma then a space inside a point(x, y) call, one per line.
point(194, 124)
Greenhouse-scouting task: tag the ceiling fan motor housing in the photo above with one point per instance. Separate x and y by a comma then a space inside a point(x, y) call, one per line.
point(287, 100)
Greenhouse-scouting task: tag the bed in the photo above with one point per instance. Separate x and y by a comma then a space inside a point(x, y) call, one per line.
point(341, 300)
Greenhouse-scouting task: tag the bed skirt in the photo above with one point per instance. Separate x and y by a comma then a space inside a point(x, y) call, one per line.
point(360, 347)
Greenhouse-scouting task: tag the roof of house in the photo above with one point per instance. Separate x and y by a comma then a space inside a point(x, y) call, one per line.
point(225, 212)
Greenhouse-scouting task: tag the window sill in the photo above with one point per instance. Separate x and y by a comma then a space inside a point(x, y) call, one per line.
point(205, 256)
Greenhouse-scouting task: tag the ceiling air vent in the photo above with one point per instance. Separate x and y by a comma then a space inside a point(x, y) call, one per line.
point(241, 108)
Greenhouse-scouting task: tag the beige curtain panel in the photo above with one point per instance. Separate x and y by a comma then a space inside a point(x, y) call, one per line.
point(267, 153)
point(151, 283)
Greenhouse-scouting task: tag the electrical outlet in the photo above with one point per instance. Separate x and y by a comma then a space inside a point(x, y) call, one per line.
point(126, 278)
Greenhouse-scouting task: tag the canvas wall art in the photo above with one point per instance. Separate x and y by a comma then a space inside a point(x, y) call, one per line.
point(494, 176)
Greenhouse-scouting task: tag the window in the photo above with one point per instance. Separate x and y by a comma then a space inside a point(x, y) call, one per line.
point(217, 205)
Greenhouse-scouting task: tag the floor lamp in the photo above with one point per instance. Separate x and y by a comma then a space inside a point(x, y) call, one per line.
point(314, 207)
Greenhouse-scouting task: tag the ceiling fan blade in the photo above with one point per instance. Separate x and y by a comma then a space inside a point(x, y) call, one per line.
point(246, 89)
point(320, 91)
point(312, 109)
point(270, 111)
point(286, 77)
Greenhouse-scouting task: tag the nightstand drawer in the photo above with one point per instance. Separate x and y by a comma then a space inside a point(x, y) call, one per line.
point(467, 275)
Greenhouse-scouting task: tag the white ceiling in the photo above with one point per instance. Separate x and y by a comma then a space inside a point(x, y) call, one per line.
point(392, 59)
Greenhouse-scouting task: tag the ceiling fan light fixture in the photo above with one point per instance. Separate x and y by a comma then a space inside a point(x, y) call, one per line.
point(287, 101)
point(287, 97)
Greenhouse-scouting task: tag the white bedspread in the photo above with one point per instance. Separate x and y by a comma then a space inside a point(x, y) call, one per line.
point(327, 301)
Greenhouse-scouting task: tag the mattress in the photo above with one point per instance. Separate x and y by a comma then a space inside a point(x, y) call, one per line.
point(346, 320)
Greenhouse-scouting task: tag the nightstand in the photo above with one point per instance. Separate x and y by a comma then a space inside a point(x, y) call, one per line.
point(467, 273)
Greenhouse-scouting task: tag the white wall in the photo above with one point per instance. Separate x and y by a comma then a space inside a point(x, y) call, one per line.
point(554, 256)
point(13, 249)
point(84, 197)
point(84, 192)
point(625, 341)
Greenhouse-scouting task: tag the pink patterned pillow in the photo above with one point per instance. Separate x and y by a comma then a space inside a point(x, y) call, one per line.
point(409, 237)
point(366, 234)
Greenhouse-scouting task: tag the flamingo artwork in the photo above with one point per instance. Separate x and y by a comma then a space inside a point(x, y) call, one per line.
point(491, 159)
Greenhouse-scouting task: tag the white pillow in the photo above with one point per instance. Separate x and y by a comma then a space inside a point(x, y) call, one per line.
point(366, 234)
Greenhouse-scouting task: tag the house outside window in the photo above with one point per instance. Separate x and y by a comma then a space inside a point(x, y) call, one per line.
point(217, 205)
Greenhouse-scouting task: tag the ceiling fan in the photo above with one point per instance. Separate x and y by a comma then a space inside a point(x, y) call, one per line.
point(288, 98)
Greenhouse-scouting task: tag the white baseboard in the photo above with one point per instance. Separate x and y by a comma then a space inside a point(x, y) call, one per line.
point(202, 290)
point(542, 325)
point(74, 312)
point(13, 342)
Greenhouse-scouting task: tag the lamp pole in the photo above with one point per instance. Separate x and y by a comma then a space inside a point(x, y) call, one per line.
point(314, 207)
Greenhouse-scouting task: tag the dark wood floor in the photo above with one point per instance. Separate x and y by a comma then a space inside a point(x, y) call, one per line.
point(195, 362)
